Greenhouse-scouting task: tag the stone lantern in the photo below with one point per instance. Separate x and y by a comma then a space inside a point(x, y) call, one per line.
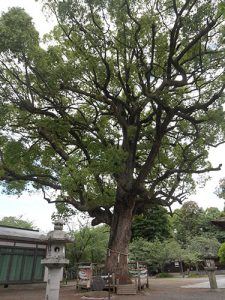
point(210, 268)
point(55, 259)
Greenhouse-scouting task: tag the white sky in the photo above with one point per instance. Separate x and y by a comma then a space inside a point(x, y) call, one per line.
point(34, 207)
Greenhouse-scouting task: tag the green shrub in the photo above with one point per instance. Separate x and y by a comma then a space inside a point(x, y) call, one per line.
point(194, 275)
point(164, 275)
point(221, 253)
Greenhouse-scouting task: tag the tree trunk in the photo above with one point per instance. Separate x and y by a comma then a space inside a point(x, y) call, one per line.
point(196, 267)
point(120, 235)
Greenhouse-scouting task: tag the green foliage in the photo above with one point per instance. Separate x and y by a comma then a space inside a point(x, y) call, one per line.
point(185, 221)
point(17, 32)
point(221, 253)
point(203, 246)
point(90, 245)
point(164, 275)
point(159, 253)
point(191, 258)
point(153, 224)
point(139, 250)
point(156, 253)
point(18, 222)
point(87, 104)
point(208, 229)
point(199, 247)
point(222, 8)
point(191, 220)
point(117, 107)
point(193, 275)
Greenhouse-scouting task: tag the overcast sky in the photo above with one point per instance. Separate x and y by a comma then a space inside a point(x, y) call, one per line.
point(34, 207)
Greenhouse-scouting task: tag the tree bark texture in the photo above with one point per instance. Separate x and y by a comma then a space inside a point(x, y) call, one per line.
point(120, 234)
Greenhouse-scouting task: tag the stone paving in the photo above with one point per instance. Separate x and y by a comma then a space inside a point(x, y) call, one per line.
point(160, 289)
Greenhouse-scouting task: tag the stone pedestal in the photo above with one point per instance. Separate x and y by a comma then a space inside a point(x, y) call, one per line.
point(53, 284)
point(212, 276)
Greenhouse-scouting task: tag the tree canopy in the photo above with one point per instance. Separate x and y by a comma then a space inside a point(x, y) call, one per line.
point(117, 110)
point(191, 221)
point(18, 222)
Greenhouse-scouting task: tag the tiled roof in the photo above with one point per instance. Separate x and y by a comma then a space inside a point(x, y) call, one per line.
point(19, 234)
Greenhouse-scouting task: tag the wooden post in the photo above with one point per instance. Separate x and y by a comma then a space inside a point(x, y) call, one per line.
point(147, 281)
point(109, 287)
point(114, 282)
point(139, 280)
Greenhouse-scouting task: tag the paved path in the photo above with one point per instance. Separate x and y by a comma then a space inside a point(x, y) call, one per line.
point(205, 285)
point(160, 289)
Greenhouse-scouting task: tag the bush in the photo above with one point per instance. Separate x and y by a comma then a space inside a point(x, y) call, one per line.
point(221, 253)
point(194, 275)
point(164, 275)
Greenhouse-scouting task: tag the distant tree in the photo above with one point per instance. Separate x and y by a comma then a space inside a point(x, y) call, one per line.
point(191, 258)
point(206, 227)
point(191, 220)
point(157, 254)
point(185, 221)
point(18, 222)
point(152, 224)
point(90, 245)
point(199, 246)
point(139, 250)
point(203, 245)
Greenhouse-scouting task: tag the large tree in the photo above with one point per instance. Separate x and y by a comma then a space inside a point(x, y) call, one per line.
point(117, 110)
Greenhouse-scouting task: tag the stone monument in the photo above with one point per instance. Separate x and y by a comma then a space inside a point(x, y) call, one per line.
point(55, 259)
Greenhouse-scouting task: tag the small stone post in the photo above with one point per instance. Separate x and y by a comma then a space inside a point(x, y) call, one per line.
point(55, 259)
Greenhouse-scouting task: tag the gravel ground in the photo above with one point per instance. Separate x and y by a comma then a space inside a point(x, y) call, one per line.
point(160, 289)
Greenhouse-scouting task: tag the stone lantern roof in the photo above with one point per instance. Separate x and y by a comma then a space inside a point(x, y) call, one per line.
point(58, 235)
